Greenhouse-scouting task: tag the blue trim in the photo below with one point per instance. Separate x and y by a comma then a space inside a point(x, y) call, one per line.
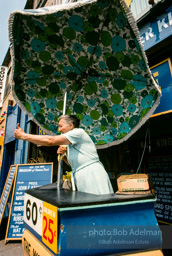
point(7, 160)
point(20, 145)
point(11, 121)
point(105, 205)
point(18, 120)
point(8, 147)
point(26, 148)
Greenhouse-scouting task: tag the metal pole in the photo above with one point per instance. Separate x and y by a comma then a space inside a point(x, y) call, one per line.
point(64, 103)
point(60, 163)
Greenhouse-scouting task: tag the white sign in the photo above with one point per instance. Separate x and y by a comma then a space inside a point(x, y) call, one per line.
point(33, 213)
point(3, 77)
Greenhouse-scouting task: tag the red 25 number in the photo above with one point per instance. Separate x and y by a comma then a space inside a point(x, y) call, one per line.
point(48, 223)
point(49, 226)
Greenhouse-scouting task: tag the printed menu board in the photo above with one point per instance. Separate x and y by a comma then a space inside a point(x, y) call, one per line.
point(27, 177)
point(160, 169)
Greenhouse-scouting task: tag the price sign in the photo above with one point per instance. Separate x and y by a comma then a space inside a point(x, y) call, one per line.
point(41, 217)
point(33, 213)
point(49, 230)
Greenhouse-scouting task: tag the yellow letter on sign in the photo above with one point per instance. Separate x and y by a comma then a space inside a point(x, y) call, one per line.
point(128, 2)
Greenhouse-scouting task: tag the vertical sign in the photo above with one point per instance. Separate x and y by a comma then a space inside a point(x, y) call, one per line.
point(160, 169)
point(3, 77)
point(28, 176)
point(162, 73)
point(6, 190)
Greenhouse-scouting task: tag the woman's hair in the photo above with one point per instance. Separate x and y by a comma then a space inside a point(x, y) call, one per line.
point(71, 119)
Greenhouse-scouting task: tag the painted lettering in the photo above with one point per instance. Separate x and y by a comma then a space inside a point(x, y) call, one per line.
point(27, 246)
point(35, 253)
point(164, 142)
point(161, 24)
point(170, 18)
point(149, 34)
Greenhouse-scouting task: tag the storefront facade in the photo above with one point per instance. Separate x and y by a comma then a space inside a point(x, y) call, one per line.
point(155, 28)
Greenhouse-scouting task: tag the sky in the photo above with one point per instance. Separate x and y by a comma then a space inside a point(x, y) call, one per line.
point(6, 7)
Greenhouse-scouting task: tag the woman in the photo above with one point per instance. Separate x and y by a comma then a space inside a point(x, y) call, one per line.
point(89, 173)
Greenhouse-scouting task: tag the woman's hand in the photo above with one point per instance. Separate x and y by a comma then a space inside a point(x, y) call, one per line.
point(18, 133)
point(61, 150)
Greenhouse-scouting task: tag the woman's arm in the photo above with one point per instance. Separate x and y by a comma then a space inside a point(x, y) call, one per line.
point(43, 140)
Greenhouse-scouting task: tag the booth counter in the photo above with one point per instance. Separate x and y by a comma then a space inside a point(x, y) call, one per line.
point(62, 222)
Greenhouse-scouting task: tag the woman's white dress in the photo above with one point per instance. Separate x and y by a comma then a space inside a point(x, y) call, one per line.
point(89, 173)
